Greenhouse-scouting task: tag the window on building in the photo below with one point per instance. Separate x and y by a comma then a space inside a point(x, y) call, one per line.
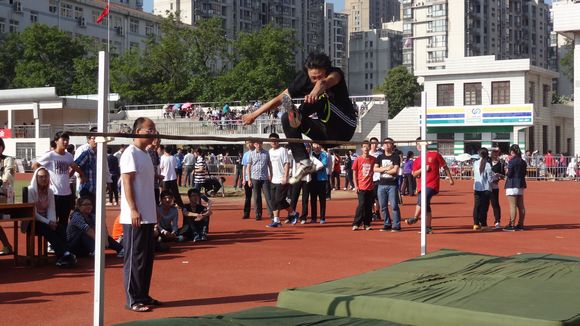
point(436, 56)
point(472, 93)
point(445, 143)
point(437, 10)
point(407, 28)
point(544, 139)
point(78, 12)
point(437, 26)
point(66, 10)
point(546, 99)
point(2, 25)
point(134, 25)
point(500, 92)
point(14, 26)
point(531, 92)
point(408, 13)
point(445, 95)
point(33, 17)
point(149, 29)
point(52, 6)
point(558, 137)
point(531, 145)
point(437, 41)
point(408, 58)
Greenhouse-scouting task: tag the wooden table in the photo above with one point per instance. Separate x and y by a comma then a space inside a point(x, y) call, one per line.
point(21, 213)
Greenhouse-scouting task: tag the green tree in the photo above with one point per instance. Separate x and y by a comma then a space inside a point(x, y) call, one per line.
point(567, 61)
point(46, 57)
point(133, 79)
point(400, 88)
point(10, 51)
point(263, 65)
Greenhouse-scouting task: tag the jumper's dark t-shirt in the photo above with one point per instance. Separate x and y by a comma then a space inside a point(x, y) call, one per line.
point(384, 161)
point(338, 94)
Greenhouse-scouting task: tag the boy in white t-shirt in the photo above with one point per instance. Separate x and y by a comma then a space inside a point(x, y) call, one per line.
point(138, 216)
point(279, 184)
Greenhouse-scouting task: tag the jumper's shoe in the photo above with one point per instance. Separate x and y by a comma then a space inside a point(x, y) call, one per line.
point(303, 168)
point(274, 225)
point(294, 116)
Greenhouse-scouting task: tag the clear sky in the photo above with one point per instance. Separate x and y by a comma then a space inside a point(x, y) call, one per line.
point(338, 5)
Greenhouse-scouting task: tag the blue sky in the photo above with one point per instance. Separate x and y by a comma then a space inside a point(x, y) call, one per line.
point(338, 5)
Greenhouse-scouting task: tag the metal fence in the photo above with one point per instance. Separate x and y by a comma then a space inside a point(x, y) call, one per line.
point(563, 168)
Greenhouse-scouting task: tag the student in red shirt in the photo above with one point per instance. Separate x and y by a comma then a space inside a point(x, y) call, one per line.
point(435, 162)
point(363, 168)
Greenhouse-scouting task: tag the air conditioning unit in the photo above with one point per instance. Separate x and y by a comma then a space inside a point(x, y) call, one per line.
point(81, 21)
point(119, 30)
point(17, 6)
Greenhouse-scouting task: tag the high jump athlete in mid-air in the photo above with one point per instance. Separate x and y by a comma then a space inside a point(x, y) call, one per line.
point(325, 93)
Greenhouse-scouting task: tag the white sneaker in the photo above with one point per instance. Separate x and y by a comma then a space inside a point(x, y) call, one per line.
point(304, 167)
point(294, 117)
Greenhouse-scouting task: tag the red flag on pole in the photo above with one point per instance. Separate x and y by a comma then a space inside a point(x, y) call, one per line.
point(104, 14)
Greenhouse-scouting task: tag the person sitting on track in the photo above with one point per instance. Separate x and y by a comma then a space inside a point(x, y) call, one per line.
point(167, 219)
point(214, 185)
point(326, 94)
point(196, 216)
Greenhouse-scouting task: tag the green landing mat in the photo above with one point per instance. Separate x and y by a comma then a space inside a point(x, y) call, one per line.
point(264, 316)
point(450, 287)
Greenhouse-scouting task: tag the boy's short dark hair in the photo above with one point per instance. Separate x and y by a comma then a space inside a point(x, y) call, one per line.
point(317, 60)
point(166, 193)
point(192, 191)
point(366, 142)
point(223, 179)
point(61, 134)
point(274, 135)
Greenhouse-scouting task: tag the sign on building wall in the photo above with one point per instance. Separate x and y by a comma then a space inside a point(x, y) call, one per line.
point(481, 115)
point(5, 133)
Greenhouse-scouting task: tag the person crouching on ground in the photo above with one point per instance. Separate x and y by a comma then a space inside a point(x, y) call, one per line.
point(167, 217)
point(80, 232)
point(196, 216)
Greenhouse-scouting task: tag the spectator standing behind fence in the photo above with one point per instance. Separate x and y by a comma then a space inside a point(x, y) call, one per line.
point(318, 185)
point(246, 179)
point(550, 163)
point(167, 168)
point(201, 171)
point(138, 216)
point(115, 172)
point(348, 182)
point(151, 149)
point(409, 186)
point(514, 188)
point(188, 163)
point(482, 180)
point(179, 168)
point(260, 171)
point(335, 177)
point(498, 167)
point(238, 179)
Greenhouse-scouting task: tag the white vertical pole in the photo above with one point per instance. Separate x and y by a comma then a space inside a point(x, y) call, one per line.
point(423, 173)
point(102, 117)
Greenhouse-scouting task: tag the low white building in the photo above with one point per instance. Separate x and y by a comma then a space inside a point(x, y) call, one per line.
point(31, 116)
point(482, 102)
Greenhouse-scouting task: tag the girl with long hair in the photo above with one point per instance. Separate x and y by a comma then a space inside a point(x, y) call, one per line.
point(483, 177)
point(514, 188)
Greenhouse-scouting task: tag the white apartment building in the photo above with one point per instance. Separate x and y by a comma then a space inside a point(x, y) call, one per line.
point(305, 17)
point(483, 102)
point(336, 36)
point(370, 14)
point(371, 55)
point(129, 26)
point(434, 30)
point(567, 22)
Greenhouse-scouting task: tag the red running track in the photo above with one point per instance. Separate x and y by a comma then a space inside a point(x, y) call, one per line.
point(245, 264)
